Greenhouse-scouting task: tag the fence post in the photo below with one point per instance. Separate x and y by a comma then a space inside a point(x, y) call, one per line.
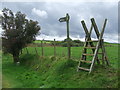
point(36, 51)
point(54, 48)
point(42, 47)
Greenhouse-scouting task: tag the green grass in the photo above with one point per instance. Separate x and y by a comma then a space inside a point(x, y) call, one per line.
point(58, 72)
point(60, 51)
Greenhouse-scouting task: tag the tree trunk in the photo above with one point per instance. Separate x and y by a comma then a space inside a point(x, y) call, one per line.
point(16, 57)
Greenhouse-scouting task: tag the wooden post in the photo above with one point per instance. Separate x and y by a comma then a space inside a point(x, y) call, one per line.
point(42, 47)
point(95, 27)
point(66, 19)
point(68, 39)
point(36, 51)
point(27, 50)
point(54, 48)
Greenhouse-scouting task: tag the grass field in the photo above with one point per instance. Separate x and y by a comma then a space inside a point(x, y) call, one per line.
point(36, 71)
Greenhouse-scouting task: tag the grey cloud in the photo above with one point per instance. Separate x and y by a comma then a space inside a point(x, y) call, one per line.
point(78, 11)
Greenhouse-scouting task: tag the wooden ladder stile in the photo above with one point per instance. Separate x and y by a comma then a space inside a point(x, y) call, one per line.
point(95, 49)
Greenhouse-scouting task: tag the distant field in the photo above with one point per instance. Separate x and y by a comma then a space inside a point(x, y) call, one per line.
point(39, 41)
point(50, 72)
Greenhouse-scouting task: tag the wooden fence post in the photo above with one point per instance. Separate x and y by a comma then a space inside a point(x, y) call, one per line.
point(54, 48)
point(36, 51)
point(42, 47)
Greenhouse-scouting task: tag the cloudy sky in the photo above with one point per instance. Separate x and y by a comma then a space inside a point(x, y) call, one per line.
point(48, 14)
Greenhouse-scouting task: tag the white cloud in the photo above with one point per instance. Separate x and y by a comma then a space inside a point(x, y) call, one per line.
point(60, 38)
point(114, 39)
point(59, 0)
point(40, 13)
point(1, 13)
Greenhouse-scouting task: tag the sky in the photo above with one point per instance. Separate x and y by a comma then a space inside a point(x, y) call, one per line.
point(48, 14)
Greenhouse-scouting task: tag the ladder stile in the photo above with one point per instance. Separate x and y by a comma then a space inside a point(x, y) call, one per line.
point(95, 48)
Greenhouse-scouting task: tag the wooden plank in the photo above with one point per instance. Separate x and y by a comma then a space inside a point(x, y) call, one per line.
point(88, 54)
point(100, 53)
point(85, 28)
point(83, 68)
point(92, 41)
point(86, 61)
point(105, 55)
point(95, 27)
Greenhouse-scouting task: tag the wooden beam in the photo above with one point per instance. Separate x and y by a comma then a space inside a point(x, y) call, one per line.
point(95, 27)
point(84, 69)
point(54, 48)
point(97, 47)
point(42, 47)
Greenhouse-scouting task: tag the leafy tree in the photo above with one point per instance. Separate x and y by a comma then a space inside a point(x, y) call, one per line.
point(18, 32)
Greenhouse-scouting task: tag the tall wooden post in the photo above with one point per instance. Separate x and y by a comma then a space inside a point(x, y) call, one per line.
point(68, 38)
point(42, 47)
point(54, 48)
point(66, 19)
point(36, 51)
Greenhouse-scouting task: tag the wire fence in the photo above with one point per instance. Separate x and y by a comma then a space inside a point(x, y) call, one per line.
point(45, 49)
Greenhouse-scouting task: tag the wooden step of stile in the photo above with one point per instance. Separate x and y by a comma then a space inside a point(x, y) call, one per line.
point(88, 54)
point(83, 68)
point(100, 53)
point(92, 41)
point(86, 61)
point(90, 47)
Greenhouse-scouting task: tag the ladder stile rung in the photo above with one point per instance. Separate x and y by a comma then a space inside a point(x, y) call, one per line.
point(88, 54)
point(92, 41)
point(100, 53)
point(84, 69)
